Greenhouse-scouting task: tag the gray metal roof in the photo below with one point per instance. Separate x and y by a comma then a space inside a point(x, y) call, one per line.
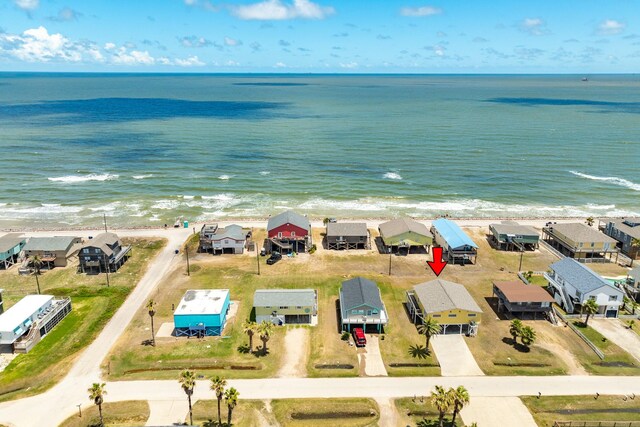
point(289, 217)
point(512, 227)
point(578, 275)
point(579, 232)
point(439, 295)
point(284, 297)
point(398, 226)
point(635, 274)
point(232, 231)
point(358, 291)
point(623, 225)
point(347, 229)
point(10, 241)
point(46, 244)
point(102, 241)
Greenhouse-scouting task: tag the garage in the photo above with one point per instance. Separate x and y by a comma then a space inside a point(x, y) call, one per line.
point(297, 318)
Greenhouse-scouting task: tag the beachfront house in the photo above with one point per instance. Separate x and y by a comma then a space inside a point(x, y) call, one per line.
point(202, 313)
point(103, 253)
point(288, 232)
point(24, 324)
point(347, 235)
point(511, 236)
point(361, 305)
point(450, 304)
point(286, 306)
point(580, 242)
point(404, 234)
point(53, 251)
point(626, 232)
point(10, 247)
point(524, 301)
point(231, 239)
point(457, 247)
point(574, 284)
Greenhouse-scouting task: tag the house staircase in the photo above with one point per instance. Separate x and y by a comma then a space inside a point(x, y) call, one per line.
point(566, 301)
point(27, 342)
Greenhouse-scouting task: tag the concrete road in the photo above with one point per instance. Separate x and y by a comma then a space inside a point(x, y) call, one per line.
point(497, 411)
point(614, 330)
point(454, 356)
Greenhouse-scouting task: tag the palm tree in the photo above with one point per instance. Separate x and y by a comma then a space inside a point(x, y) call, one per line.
point(265, 329)
point(589, 221)
point(217, 385)
point(231, 397)
point(249, 328)
point(635, 244)
point(590, 307)
point(151, 307)
point(441, 400)
point(527, 336)
point(460, 398)
point(515, 329)
point(188, 381)
point(429, 328)
point(36, 261)
point(96, 394)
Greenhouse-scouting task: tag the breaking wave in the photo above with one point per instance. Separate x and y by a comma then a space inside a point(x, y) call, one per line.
point(142, 176)
point(612, 179)
point(71, 179)
point(392, 175)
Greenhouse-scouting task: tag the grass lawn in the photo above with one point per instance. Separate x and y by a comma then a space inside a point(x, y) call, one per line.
point(93, 305)
point(413, 412)
point(116, 414)
point(325, 412)
point(538, 281)
point(548, 409)
point(616, 362)
point(248, 413)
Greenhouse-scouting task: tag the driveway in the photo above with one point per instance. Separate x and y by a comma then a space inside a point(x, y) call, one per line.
point(371, 358)
point(614, 330)
point(497, 411)
point(294, 363)
point(454, 356)
point(163, 412)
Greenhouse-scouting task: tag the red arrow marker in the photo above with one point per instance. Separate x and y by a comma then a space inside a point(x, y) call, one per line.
point(437, 265)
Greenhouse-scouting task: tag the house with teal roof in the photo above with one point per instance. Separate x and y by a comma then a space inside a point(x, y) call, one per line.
point(457, 246)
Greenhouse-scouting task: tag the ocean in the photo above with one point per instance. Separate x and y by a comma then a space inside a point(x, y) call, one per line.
point(145, 149)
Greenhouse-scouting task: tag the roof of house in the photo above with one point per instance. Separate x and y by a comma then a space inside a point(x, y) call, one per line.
point(46, 244)
point(360, 291)
point(398, 226)
point(347, 229)
point(440, 295)
point(284, 297)
point(579, 276)
point(202, 301)
point(635, 274)
point(512, 227)
point(579, 232)
point(626, 226)
point(10, 241)
point(516, 291)
point(232, 231)
point(452, 233)
point(21, 311)
point(102, 241)
point(289, 217)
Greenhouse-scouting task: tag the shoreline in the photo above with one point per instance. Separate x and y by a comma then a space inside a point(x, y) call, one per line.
point(316, 222)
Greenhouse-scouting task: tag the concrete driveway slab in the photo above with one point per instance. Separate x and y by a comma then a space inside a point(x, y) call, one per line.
point(372, 359)
point(167, 412)
point(454, 356)
point(616, 331)
point(497, 412)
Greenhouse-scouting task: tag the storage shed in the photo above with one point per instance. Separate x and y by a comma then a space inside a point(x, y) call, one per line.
point(202, 313)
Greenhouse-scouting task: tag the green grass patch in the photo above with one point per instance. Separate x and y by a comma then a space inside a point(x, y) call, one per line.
point(248, 413)
point(548, 409)
point(538, 281)
point(420, 411)
point(116, 414)
point(325, 412)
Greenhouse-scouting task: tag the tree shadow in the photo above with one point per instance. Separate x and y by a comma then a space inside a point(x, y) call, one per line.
point(147, 342)
point(243, 349)
point(517, 346)
point(261, 352)
point(419, 351)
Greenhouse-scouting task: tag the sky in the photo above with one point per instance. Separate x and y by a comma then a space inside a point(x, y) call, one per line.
point(323, 36)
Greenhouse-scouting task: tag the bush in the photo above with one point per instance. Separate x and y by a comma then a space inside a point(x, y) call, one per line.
point(345, 336)
point(313, 248)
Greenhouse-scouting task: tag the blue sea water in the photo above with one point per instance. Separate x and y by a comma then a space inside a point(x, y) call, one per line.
point(146, 148)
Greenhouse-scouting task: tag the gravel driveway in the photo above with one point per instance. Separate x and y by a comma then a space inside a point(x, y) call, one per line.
point(616, 331)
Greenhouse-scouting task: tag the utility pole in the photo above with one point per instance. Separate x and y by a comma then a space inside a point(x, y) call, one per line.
point(104, 218)
point(186, 251)
point(258, 259)
point(79, 410)
point(389, 260)
point(106, 268)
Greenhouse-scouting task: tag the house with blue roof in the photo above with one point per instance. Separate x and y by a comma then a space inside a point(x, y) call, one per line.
point(457, 246)
point(574, 284)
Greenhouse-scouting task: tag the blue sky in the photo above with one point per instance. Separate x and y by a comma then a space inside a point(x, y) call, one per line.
point(325, 36)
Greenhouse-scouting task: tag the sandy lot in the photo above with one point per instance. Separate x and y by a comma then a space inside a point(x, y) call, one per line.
point(616, 331)
point(296, 353)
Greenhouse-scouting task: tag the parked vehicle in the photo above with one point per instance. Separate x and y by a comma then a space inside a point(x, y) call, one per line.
point(359, 337)
point(275, 257)
point(263, 252)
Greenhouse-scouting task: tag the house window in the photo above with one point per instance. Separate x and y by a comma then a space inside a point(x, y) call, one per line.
point(368, 312)
point(279, 234)
point(452, 315)
point(298, 307)
point(226, 242)
point(613, 297)
point(593, 244)
point(437, 315)
point(592, 298)
point(85, 251)
point(472, 314)
point(284, 307)
point(374, 311)
point(293, 234)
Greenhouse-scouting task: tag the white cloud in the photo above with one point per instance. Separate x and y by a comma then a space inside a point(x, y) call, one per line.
point(534, 26)
point(135, 57)
point(268, 10)
point(192, 61)
point(280, 65)
point(37, 45)
point(194, 41)
point(27, 4)
point(349, 65)
point(231, 63)
point(611, 27)
point(66, 14)
point(232, 42)
point(420, 11)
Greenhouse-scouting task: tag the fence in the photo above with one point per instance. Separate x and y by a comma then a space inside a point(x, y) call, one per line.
point(584, 338)
point(596, 424)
